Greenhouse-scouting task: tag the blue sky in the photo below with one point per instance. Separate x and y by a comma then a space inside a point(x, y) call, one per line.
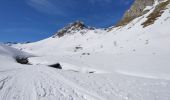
point(33, 20)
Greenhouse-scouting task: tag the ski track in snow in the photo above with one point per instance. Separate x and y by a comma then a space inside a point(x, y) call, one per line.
point(43, 83)
point(37, 84)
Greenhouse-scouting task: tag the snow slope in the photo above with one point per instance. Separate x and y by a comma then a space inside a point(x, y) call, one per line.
point(124, 63)
point(38, 82)
point(131, 49)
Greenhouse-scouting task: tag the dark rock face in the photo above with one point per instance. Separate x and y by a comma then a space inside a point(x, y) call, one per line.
point(85, 54)
point(135, 11)
point(58, 66)
point(71, 28)
point(22, 60)
point(78, 48)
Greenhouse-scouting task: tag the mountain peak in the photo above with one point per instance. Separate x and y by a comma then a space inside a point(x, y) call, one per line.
point(71, 28)
point(77, 25)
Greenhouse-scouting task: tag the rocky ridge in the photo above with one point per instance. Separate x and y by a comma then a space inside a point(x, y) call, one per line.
point(136, 10)
point(72, 28)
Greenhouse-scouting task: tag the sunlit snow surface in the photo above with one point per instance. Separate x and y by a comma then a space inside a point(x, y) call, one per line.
point(129, 63)
point(38, 82)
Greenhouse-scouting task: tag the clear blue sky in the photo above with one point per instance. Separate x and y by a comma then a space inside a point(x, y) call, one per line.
point(33, 20)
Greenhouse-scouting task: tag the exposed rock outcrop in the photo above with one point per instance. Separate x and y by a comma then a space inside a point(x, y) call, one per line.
point(71, 28)
point(22, 60)
point(136, 10)
point(57, 66)
point(158, 11)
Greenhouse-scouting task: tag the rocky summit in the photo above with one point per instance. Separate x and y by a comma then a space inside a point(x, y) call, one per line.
point(75, 26)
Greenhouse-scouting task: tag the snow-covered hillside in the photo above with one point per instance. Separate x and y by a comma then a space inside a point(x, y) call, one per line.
point(131, 49)
point(40, 82)
point(127, 62)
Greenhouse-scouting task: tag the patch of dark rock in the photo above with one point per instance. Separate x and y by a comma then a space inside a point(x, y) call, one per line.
point(57, 66)
point(78, 48)
point(22, 60)
point(91, 72)
point(85, 53)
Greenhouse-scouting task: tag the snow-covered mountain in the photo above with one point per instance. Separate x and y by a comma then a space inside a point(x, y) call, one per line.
point(129, 61)
point(130, 48)
point(72, 28)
